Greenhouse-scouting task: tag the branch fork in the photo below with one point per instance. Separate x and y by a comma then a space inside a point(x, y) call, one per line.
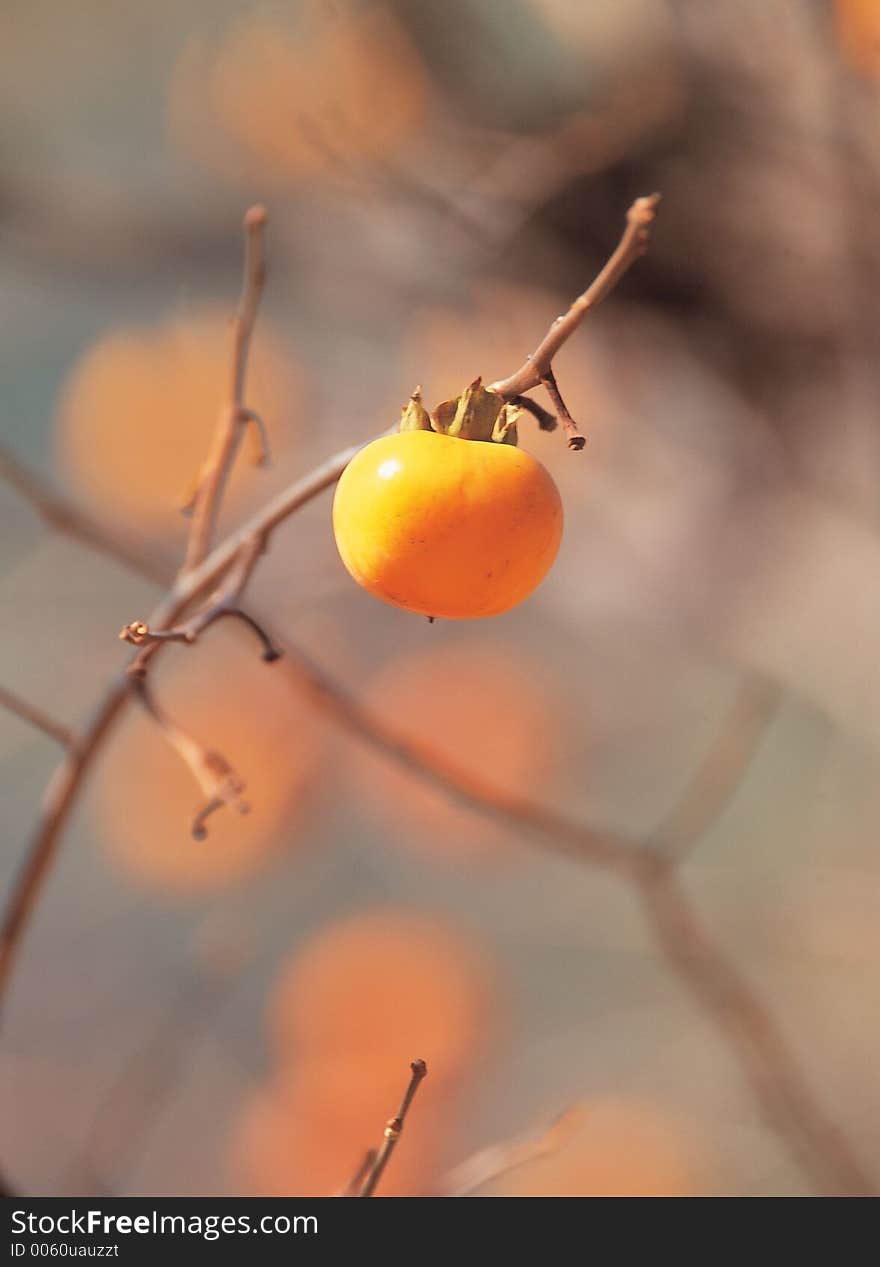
point(746, 1025)
point(537, 370)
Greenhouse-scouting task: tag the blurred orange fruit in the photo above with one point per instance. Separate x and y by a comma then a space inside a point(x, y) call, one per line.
point(306, 1132)
point(352, 1009)
point(484, 710)
point(138, 411)
point(388, 987)
point(280, 101)
point(858, 34)
point(625, 1148)
point(144, 797)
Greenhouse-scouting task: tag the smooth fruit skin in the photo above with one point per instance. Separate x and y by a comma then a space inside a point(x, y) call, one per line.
point(447, 527)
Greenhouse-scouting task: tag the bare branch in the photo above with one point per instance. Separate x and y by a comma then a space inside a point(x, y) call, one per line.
point(260, 447)
point(575, 439)
point(58, 802)
point(575, 840)
point(748, 1027)
point(66, 519)
point(751, 1035)
point(64, 786)
point(545, 420)
point(497, 1160)
point(36, 717)
point(393, 1130)
point(220, 784)
point(633, 244)
point(235, 415)
point(356, 1182)
point(222, 604)
point(720, 771)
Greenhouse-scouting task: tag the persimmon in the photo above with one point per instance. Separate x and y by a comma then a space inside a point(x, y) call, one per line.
point(449, 518)
point(483, 708)
point(137, 413)
point(491, 329)
point(144, 797)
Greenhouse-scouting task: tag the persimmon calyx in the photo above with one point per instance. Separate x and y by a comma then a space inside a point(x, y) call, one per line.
point(414, 416)
point(477, 414)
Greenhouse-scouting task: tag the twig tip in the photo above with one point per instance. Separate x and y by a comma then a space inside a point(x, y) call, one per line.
point(256, 216)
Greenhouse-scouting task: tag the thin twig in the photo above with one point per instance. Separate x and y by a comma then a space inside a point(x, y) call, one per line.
point(58, 801)
point(213, 773)
point(575, 440)
point(66, 782)
point(633, 244)
point(752, 1036)
point(34, 716)
point(223, 603)
point(393, 1130)
point(576, 840)
point(235, 415)
point(71, 522)
point(720, 772)
point(746, 1025)
point(356, 1182)
point(545, 420)
point(490, 1164)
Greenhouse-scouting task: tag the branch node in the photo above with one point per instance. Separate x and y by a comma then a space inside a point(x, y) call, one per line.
point(392, 1132)
point(136, 632)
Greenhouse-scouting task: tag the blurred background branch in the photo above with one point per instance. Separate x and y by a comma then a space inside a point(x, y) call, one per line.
point(713, 614)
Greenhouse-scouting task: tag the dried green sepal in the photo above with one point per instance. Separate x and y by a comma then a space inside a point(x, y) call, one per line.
point(504, 431)
point(414, 416)
point(443, 415)
point(477, 414)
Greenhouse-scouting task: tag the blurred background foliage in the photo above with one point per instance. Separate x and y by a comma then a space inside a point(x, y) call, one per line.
point(238, 1015)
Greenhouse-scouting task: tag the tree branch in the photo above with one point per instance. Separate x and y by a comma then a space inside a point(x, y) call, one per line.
point(235, 416)
point(64, 518)
point(746, 1025)
point(633, 244)
point(36, 717)
point(751, 1035)
point(393, 1131)
point(490, 1164)
point(356, 1182)
point(744, 1022)
point(65, 785)
point(225, 602)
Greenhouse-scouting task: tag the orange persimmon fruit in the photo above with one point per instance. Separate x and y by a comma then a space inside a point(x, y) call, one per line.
point(456, 523)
